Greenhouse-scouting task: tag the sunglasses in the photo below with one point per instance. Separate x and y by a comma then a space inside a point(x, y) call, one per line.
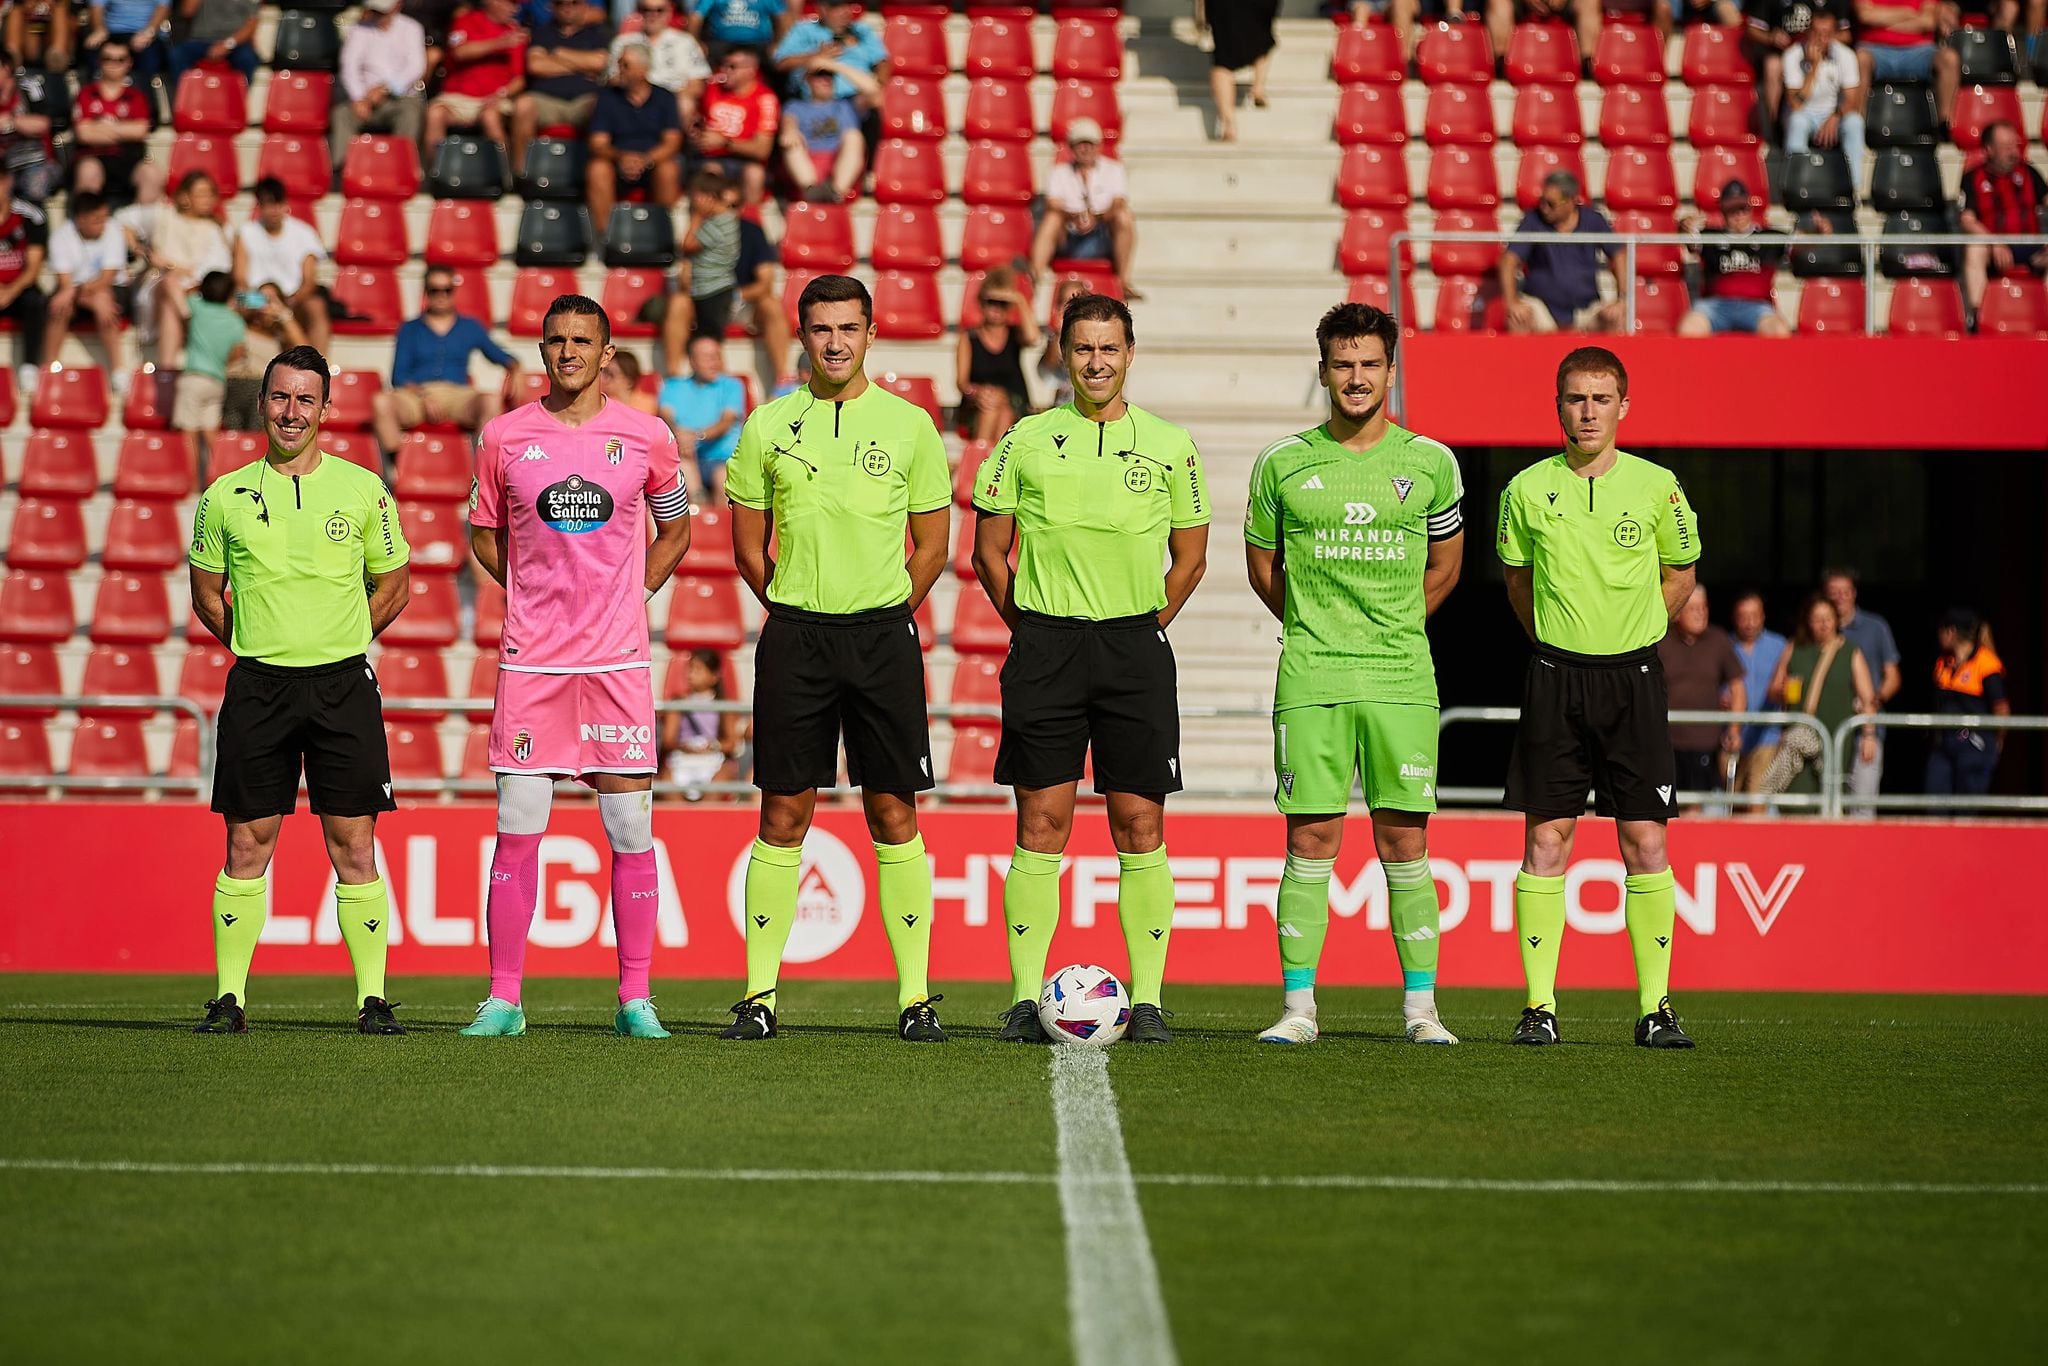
point(995, 303)
point(440, 289)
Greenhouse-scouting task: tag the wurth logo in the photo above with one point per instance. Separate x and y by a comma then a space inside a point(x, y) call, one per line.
point(619, 735)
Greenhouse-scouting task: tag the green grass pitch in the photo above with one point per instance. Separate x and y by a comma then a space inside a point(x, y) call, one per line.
point(698, 1207)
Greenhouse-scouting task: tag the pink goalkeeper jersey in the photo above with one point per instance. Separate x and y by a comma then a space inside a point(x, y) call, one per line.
point(573, 503)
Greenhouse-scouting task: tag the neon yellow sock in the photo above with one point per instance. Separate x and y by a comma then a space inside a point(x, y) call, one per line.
point(1539, 922)
point(365, 911)
point(1651, 910)
point(239, 910)
point(904, 892)
point(1144, 902)
point(771, 911)
point(1031, 912)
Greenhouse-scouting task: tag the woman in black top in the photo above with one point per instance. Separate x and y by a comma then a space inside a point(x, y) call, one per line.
point(991, 359)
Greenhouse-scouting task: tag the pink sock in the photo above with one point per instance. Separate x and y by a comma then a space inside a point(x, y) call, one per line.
point(509, 906)
point(635, 901)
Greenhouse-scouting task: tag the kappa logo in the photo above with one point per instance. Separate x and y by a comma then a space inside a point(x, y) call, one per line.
point(533, 453)
point(1401, 488)
point(1314, 481)
point(635, 752)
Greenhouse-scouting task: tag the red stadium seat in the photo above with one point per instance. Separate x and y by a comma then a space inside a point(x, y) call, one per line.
point(1628, 54)
point(1372, 178)
point(818, 237)
point(213, 153)
point(913, 108)
point(1464, 258)
point(211, 100)
point(1978, 106)
point(1538, 162)
point(476, 751)
point(997, 173)
point(999, 45)
point(415, 753)
point(69, 397)
point(1543, 54)
point(969, 468)
point(977, 682)
point(1640, 178)
point(203, 673)
point(118, 671)
point(151, 392)
point(462, 232)
point(232, 450)
point(1378, 290)
point(35, 606)
point(371, 233)
point(1831, 308)
point(434, 466)
point(490, 613)
point(1651, 259)
point(1713, 56)
point(298, 101)
point(155, 465)
point(1462, 178)
point(1458, 115)
point(627, 290)
point(438, 534)
point(413, 674)
point(963, 549)
point(370, 294)
point(1089, 47)
point(48, 533)
point(1722, 116)
point(907, 238)
point(7, 397)
point(184, 750)
point(1000, 109)
point(1635, 116)
point(300, 160)
point(533, 289)
point(58, 464)
point(977, 627)
point(973, 760)
point(25, 748)
point(352, 393)
point(1457, 54)
point(907, 305)
point(109, 747)
point(1368, 54)
point(379, 167)
point(793, 282)
point(1077, 99)
point(918, 389)
point(131, 607)
point(29, 671)
point(927, 627)
point(917, 45)
point(1467, 303)
point(432, 615)
point(1548, 116)
point(2014, 306)
point(995, 235)
point(710, 549)
point(909, 172)
point(357, 448)
point(1365, 247)
point(1718, 166)
point(144, 534)
point(483, 681)
point(1369, 114)
point(1926, 308)
point(1660, 303)
point(704, 613)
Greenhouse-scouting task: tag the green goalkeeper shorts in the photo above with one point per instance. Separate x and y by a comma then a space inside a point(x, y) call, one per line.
point(1390, 746)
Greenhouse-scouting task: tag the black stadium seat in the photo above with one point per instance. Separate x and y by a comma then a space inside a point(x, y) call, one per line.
point(1815, 257)
point(467, 168)
point(553, 170)
point(640, 235)
point(553, 235)
point(1901, 116)
point(1906, 178)
point(1909, 258)
point(1818, 181)
point(1988, 55)
point(306, 41)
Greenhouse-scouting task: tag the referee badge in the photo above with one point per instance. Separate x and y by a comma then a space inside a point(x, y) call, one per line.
point(1138, 479)
point(337, 528)
point(614, 451)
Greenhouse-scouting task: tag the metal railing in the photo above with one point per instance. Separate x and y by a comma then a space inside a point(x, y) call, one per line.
point(124, 704)
point(1846, 735)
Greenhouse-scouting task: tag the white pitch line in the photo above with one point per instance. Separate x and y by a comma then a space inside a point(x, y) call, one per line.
point(1114, 1307)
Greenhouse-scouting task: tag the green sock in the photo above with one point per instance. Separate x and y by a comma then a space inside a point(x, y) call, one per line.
point(905, 894)
point(365, 911)
point(771, 910)
point(1539, 921)
point(1651, 909)
point(238, 914)
point(1144, 902)
point(1413, 915)
point(1303, 913)
point(1031, 910)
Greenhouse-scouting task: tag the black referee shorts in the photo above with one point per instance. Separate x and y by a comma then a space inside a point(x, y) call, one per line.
point(330, 716)
point(1599, 722)
point(1070, 685)
point(818, 676)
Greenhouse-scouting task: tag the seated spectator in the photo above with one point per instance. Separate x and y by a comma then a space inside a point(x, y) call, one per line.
point(110, 130)
point(1721, 13)
point(430, 369)
point(278, 258)
point(1702, 673)
point(565, 67)
point(722, 25)
point(1054, 380)
point(1588, 17)
point(1402, 14)
point(621, 383)
point(1737, 278)
point(143, 214)
point(218, 338)
point(485, 68)
point(216, 31)
point(1555, 286)
point(383, 62)
point(636, 140)
point(1087, 210)
point(678, 63)
point(706, 407)
point(700, 747)
point(707, 279)
point(435, 18)
point(838, 40)
point(2001, 194)
point(1822, 81)
point(89, 258)
point(990, 359)
point(41, 33)
point(1826, 677)
point(132, 24)
point(1759, 648)
point(757, 297)
point(1900, 40)
point(189, 244)
point(738, 122)
point(24, 241)
point(25, 140)
point(1772, 28)
point(824, 152)
point(1969, 680)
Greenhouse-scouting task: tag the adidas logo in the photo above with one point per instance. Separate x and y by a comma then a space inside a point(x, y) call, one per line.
point(1290, 932)
point(1314, 481)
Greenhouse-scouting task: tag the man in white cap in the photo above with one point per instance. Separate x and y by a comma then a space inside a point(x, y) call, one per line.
point(383, 61)
point(1087, 210)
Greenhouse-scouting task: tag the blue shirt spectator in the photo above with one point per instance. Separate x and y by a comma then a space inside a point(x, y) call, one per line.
point(823, 124)
point(859, 46)
point(696, 403)
point(739, 23)
point(1564, 277)
point(425, 356)
point(1759, 648)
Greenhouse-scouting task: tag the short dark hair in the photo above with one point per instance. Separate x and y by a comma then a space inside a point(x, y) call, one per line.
point(299, 358)
point(86, 201)
point(580, 306)
point(834, 289)
point(270, 190)
point(1354, 322)
point(1842, 571)
point(1984, 135)
point(188, 181)
point(1592, 360)
point(1802, 632)
point(1745, 595)
point(217, 287)
point(629, 365)
point(708, 180)
point(1096, 308)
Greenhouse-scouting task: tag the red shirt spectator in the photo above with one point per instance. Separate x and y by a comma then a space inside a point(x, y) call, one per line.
point(490, 75)
point(23, 227)
point(2004, 196)
point(126, 105)
point(738, 117)
point(1881, 36)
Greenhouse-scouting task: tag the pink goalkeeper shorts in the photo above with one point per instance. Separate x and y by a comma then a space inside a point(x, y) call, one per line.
point(572, 725)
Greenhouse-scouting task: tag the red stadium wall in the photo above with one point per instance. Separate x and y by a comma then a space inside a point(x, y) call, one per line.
point(1852, 393)
point(1780, 905)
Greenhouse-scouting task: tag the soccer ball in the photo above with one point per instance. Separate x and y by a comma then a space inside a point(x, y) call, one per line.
point(1084, 1004)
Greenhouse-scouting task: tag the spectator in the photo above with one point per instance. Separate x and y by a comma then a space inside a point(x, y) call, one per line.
point(1721, 13)
point(140, 218)
point(990, 358)
point(678, 63)
point(430, 369)
point(840, 43)
point(89, 258)
point(278, 256)
point(1053, 378)
point(133, 24)
point(1087, 210)
point(216, 31)
point(565, 67)
point(621, 383)
point(738, 123)
point(1240, 36)
point(25, 140)
point(1403, 14)
point(706, 407)
point(1969, 680)
point(1823, 83)
point(709, 273)
point(110, 129)
point(1702, 672)
point(485, 68)
point(2001, 194)
point(24, 241)
point(188, 245)
point(218, 339)
point(824, 152)
point(41, 33)
point(1871, 634)
point(383, 64)
point(1737, 274)
point(757, 298)
point(700, 747)
point(636, 140)
point(1897, 40)
point(1759, 648)
point(1825, 676)
point(1770, 29)
point(722, 25)
point(1586, 16)
point(1555, 286)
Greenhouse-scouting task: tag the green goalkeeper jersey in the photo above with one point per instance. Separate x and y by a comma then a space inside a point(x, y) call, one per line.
point(1353, 530)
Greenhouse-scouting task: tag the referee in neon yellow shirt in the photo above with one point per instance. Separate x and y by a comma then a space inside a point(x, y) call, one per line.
point(311, 548)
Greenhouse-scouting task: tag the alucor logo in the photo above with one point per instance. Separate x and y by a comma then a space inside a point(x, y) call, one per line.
point(831, 894)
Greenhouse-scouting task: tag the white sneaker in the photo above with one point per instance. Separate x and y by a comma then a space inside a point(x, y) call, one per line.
point(1427, 1030)
point(1292, 1028)
point(118, 383)
point(26, 378)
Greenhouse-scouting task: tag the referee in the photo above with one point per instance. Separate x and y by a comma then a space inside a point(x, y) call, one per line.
point(311, 549)
point(1600, 551)
point(1101, 494)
